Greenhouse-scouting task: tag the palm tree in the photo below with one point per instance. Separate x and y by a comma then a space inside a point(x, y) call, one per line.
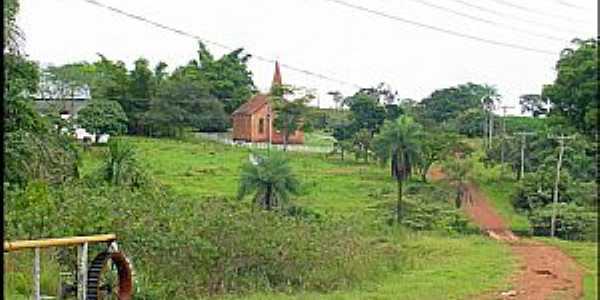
point(270, 178)
point(399, 143)
point(120, 165)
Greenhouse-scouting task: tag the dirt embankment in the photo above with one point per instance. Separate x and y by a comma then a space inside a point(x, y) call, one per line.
point(545, 272)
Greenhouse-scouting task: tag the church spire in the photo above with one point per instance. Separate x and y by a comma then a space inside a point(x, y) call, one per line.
point(277, 75)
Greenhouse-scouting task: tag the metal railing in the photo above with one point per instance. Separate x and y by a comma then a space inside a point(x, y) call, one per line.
point(82, 257)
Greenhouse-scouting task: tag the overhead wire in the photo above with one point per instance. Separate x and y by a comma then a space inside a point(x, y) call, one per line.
point(439, 29)
point(571, 5)
point(535, 11)
point(511, 16)
point(490, 22)
point(221, 45)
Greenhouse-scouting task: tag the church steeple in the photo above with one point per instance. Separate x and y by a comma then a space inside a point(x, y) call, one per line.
point(277, 75)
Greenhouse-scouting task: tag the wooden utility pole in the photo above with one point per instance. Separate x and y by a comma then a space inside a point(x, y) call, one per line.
point(504, 108)
point(523, 135)
point(561, 142)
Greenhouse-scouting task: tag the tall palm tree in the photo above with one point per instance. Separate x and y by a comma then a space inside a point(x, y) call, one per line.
point(270, 178)
point(399, 143)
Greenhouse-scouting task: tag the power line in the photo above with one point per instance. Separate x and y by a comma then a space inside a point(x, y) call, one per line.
point(570, 5)
point(535, 11)
point(435, 28)
point(507, 15)
point(207, 41)
point(487, 21)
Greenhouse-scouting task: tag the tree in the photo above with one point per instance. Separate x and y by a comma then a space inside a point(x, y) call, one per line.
point(270, 179)
point(32, 150)
point(446, 104)
point(288, 114)
point(13, 36)
point(434, 147)
point(120, 165)
point(471, 122)
point(366, 113)
point(337, 98)
point(399, 142)
point(189, 93)
point(141, 80)
point(457, 171)
point(574, 93)
point(160, 75)
point(229, 78)
point(362, 139)
point(110, 81)
point(342, 132)
point(534, 104)
point(103, 116)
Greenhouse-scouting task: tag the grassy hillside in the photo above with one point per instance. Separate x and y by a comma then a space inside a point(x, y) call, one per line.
point(440, 268)
point(499, 189)
point(426, 265)
point(200, 168)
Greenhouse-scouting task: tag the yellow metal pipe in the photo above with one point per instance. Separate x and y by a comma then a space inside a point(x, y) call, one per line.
point(67, 241)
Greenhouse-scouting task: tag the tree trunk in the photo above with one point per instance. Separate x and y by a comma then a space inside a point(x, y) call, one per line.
point(268, 198)
point(394, 165)
point(342, 148)
point(399, 202)
point(285, 140)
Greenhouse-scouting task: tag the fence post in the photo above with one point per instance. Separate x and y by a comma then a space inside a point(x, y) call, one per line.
point(82, 251)
point(37, 293)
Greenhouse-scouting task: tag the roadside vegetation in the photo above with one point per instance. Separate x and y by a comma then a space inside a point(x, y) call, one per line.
point(201, 219)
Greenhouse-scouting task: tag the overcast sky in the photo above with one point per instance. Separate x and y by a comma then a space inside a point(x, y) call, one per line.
point(326, 38)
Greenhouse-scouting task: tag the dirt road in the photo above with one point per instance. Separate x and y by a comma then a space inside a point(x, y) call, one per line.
point(545, 271)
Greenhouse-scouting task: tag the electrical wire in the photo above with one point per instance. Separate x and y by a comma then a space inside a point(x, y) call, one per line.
point(535, 11)
point(439, 29)
point(507, 15)
point(487, 21)
point(207, 41)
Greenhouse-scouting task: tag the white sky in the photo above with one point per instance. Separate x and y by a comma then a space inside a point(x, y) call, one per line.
point(322, 37)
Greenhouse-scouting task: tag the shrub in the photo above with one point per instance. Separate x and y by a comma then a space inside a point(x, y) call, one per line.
point(186, 248)
point(573, 222)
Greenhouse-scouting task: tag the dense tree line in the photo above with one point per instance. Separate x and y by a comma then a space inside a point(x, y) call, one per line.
point(199, 95)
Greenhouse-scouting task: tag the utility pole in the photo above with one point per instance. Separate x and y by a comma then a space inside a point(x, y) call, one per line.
point(523, 135)
point(504, 108)
point(561, 142)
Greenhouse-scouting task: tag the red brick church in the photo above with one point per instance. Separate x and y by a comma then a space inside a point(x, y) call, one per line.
point(251, 122)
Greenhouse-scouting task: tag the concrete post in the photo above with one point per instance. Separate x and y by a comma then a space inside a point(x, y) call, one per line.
point(37, 293)
point(82, 251)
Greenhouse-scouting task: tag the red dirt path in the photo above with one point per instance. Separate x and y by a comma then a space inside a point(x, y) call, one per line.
point(545, 271)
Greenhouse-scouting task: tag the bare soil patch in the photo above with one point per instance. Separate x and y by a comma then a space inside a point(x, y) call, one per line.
point(545, 272)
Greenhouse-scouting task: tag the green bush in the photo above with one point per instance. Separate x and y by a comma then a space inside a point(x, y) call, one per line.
point(573, 222)
point(184, 248)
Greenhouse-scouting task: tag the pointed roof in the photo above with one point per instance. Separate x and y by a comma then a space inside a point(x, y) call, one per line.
point(254, 104)
point(277, 75)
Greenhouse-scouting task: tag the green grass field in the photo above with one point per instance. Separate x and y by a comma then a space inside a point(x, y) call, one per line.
point(318, 139)
point(434, 266)
point(441, 268)
point(200, 168)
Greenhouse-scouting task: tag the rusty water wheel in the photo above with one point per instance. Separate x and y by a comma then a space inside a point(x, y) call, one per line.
point(110, 276)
